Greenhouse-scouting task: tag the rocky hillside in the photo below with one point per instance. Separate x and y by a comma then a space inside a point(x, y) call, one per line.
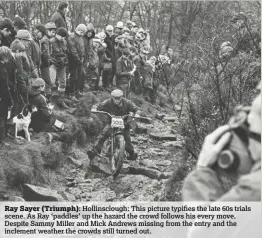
point(55, 170)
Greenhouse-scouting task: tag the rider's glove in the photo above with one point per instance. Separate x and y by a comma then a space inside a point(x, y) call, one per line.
point(137, 115)
point(131, 114)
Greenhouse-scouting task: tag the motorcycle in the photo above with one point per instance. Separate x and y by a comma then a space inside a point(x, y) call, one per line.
point(115, 144)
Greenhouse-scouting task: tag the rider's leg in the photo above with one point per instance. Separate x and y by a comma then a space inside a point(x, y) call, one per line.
point(129, 147)
point(101, 138)
point(99, 142)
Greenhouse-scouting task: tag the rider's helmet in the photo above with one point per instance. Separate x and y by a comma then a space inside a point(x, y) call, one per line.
point(117, 94)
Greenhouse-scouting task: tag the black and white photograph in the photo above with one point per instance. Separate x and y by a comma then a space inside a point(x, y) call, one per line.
point(142, 101)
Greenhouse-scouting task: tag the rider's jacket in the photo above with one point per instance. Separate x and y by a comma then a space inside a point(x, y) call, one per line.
point(122, 109)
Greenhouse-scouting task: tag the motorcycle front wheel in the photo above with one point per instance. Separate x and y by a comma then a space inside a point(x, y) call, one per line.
point(119, 155)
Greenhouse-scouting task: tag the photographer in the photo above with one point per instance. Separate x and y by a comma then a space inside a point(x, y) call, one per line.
point(204, 184)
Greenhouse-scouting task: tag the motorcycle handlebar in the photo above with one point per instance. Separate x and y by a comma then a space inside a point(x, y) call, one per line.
point(123, 117)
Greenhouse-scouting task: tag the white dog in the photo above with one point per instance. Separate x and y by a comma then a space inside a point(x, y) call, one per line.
point(23, 120)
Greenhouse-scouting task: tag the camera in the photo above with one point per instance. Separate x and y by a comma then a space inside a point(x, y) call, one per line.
point(235, 157)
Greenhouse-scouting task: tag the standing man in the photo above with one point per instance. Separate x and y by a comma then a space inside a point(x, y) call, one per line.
point(59, 17)
point(59, 61)
point(43, 43)
point(124, 72)
point(110, 53)
point(76, 56)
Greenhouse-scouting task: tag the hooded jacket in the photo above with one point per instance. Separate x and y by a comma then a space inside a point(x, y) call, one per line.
point(76, 49)
point(59, 19)
point(110, 48)
point(88, 41)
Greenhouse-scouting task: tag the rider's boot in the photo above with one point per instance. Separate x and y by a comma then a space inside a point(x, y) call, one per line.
point(132, 156)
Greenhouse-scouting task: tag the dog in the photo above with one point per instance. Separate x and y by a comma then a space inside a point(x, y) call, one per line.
point(23, 120)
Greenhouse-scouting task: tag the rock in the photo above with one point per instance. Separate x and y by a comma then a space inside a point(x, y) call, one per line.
point(101, 165)
point(146, 120)
point(148, 163)
point(171, 119)
point(140, 129)
point(159, 116)
point(165, 175)
point(173, 144)
point(163, 163)
point(156, 151)
point(35, 193)
point(68, 196)
point(178, 108)
point(74, 161)
point(71, 110)
point(151, 173)
point(16, 199)
point(162, 136)
point(103, 195)
point(70, 184)
point(70, 179)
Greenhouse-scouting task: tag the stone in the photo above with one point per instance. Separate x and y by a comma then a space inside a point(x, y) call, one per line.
point(151, 173)
point(69, 179)
point(35, 193)
point(165, 175)
point(16, 199)
point(173, 144)
point(162, 136)
point(178, 108)
point(159, 116)
point(140, 129)
point(75, 162)
point(71, 110)
point(148, 163)
point(163, 163)
point(157, 151)
point(101, 165)
point(145, 120)
point(170, 119)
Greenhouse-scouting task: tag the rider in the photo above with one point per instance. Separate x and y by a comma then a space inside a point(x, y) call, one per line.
point(118, 106)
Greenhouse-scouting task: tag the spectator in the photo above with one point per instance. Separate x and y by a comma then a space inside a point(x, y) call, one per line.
point(129, 24)
point(76, 56)
point(42, 119)
point(88, 38)
point(19, 24)
point(59, 61)
point(51, 29)
point(10, 67)
point(43, 42)
point(6, 100)
point(6, 29)
point(22, 73)
point(124, 66)
point(93, 64)
point(108, 75)
point(203, 184)
point(59, 17)
point(25, 37)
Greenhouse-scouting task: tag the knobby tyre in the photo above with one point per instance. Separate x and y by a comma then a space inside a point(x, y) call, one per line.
point(119, 153)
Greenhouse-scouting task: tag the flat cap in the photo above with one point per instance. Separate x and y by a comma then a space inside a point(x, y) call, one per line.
point(117, 93)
